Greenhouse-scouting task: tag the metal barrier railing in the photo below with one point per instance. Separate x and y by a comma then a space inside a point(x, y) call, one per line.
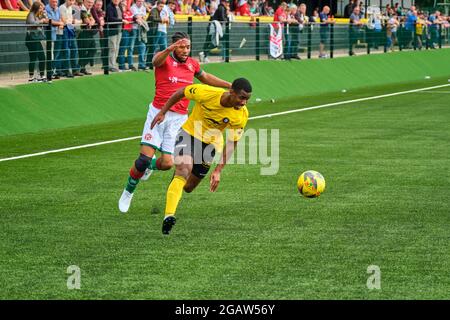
point(65, 52)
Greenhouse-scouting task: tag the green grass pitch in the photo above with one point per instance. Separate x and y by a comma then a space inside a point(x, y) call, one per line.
point(387, 167)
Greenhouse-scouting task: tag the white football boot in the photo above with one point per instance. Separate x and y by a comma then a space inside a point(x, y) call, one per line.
point(125, 201)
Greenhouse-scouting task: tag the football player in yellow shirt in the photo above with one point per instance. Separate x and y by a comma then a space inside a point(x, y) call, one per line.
point(215, 110)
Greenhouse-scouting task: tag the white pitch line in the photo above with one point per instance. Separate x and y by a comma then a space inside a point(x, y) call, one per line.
point(251, 118)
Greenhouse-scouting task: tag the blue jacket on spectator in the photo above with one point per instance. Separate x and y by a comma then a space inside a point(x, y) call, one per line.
point(55, 16)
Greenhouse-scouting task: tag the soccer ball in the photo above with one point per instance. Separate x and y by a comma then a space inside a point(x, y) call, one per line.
point(311, 184)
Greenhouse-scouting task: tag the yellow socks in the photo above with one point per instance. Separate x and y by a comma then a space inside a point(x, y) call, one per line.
point(174, 193)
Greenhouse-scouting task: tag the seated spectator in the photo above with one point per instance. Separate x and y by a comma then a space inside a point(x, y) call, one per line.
point(186, 7)
point(242, 8)
point(199, 8)
point(35, 36)
point(254, 9)
point(13, 5)
point(265, 9)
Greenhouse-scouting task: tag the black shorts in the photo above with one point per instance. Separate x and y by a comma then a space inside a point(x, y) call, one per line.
point(202, 153)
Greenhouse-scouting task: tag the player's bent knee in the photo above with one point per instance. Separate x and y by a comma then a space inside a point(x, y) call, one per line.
point(142, 163)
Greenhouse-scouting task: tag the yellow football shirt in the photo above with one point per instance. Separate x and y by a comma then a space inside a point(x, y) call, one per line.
point(209, 118)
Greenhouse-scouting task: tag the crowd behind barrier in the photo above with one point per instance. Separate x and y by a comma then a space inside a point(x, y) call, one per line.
point(75, 37)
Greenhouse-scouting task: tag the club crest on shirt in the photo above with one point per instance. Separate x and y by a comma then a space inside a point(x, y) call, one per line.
point(190, 67)
point(175, 64)
point(148, 137)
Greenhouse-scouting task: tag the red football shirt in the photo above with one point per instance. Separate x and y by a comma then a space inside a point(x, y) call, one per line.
point(280, 14)
point(170, 77)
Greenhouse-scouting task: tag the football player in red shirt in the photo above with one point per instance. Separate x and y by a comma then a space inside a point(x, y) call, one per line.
point(174, 69)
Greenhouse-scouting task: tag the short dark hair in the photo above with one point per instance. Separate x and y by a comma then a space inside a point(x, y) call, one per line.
point(179, 35)
point(241, 84)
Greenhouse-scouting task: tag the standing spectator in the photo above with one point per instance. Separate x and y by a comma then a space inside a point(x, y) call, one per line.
point(87, 43)
point(213, 5)
point(157, 35)
point(52, 11)
point(114, 18)
point(435, 21)
point(221, 16)
point(126, 39)
point(293, 33)
point(421, 25)
point(70, 48)
point(355, 28)
point(348, 9)
point(99, 16)
point(35, 36)
point(303, 20)
point(325, 21)
point(391, 32)
point(411, 18)
point(139, 13)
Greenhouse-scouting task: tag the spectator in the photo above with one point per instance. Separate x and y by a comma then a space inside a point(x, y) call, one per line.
point(302, 19)
point(13, 5)
point(148, 5)
point(421, 25)
point(125, 41)
point(199, 8)
point(265, 9)
point(99, 16)
point(355, 28)
point(254, 9)
point(57, 31)
point(325, 21)
point(35, 36)
point(213, 4)
point(348, 9)
point(391, 32)
point(374, 30)
point(411, 18)
point(220, 16)
point(114, 18)
point(157, 35)
point(293, 33)
point(139, 13)
point(86, 38)
point(435, 21)
point(186, 7)
point(242, 8)
point(70, 67)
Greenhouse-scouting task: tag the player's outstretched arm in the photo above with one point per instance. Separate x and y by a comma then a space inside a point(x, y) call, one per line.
point(228, 150)
point(214, 81)
point(177, 96)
